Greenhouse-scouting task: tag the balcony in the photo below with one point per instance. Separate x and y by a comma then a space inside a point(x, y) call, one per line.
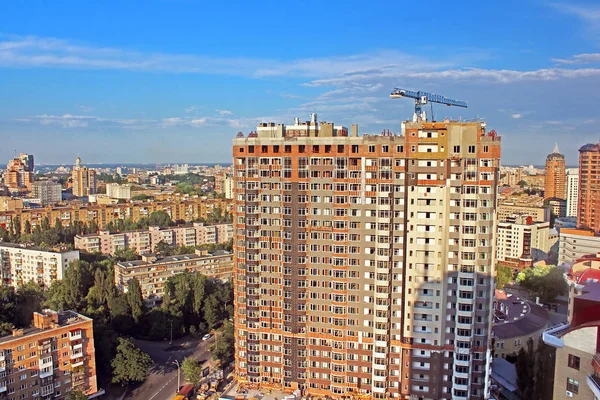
point(553, 336)
point(75, 335)
point(75, 355)
point(46, 374)
point(593, 382)
point(77, 363)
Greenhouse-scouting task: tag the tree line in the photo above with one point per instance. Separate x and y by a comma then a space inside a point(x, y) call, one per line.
point(535, 371)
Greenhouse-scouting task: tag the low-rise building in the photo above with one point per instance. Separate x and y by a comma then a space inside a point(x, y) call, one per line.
point(577, 343)
point(507, 209)
point(515, 322)
point(521, 241)
point(20, 264)
point(116, 191)
point(575, 244)
point(153, 272)
point(144, 241)
point(50, 359)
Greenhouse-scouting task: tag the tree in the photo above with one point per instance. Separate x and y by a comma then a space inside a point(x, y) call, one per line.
point(159, 218)
point(76, 395)
point(504, 275)
point(525, 371)
point(134, 299)
point(545, 281)
point(130, 364)
point(125, 255)
point(522, 184)
point(544, 371)
point(70, 292)
point(192, 370)
point(211, 311)
point(223, 348)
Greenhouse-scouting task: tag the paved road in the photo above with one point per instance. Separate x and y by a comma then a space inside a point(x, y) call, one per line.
point(161, 384)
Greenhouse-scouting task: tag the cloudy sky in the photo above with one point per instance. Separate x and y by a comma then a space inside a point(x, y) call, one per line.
point(175, 80)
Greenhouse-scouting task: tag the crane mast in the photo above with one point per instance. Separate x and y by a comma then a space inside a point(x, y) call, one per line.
point(421, 101)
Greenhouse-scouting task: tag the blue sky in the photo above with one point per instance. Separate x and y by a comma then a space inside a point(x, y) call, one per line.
point(175, 80)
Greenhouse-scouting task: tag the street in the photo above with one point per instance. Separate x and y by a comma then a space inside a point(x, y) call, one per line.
point(161, 383)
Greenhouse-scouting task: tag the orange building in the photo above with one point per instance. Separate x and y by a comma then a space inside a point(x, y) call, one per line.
point(556, 176)
point(588, 215)
point(50, 359)
point(84, 179)
point(364, 264)
point(18, 175)
point(102, 214)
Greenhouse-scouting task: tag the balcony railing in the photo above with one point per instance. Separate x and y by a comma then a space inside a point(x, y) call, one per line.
point(553, 336)
point(593, 382)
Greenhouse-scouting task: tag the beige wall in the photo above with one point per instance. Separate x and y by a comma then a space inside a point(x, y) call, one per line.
point(581, 343)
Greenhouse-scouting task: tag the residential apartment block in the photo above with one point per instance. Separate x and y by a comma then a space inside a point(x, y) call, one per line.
point(588, 216)
point(20, 264)
point(116, 191)
point(153, 272)
point(555, 179)
point(364, 264)
point(575, 244)
point(572, 191)
point(19, 173)
point(508, 209)
point(144, 241)
point(577, 366)
point(50, 359)
point(102, 214)
point(521, 241)
point(83, 179)
point(48, 192)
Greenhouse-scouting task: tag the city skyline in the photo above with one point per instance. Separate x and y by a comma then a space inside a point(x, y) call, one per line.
point(133, 93)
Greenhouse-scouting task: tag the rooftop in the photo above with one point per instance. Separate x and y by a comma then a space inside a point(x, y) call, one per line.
point(55, 320)
point(149, 260)
point(522, 318)
point(36, 248)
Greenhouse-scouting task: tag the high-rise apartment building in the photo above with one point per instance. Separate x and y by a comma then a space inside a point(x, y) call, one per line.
point(84, 179)
point(49, 360)
point(364, 264)
point(572, 191)
point(48, 192)
point(589, 188)
point(522, 241)
point(555, 180)
point(19, 173)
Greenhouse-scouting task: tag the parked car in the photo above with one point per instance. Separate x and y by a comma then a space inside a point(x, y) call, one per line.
point(207, 336)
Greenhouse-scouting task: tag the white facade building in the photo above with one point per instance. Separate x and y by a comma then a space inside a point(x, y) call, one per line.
point(572, 191)
point(522, 237)
point(47, 192)
point(576, 243)
point(228, 187)
point(116, 191)
point(19, 264)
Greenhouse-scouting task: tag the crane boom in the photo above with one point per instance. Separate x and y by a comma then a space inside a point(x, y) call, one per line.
point(421, 100)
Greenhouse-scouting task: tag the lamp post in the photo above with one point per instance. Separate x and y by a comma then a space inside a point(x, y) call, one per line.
point(171, 341)
point(178, 383)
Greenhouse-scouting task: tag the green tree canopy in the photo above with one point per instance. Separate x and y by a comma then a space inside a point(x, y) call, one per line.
point(135, 300)
point(544, 281)
point(504, 276)
point(76, 395)
point(159, 218)
point(130, 364)
point(192, 370)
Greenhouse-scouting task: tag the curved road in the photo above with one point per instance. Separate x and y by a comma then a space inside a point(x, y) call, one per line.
point(161, 383)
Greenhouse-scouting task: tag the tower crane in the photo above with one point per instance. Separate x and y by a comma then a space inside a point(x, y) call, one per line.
point(421, 100)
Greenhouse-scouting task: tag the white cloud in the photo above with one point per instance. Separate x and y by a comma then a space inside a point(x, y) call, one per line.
point(224, 112)
point(86, 108)
point(193, 108)
point(586, 58)
point(288, 95)
point(516, 116)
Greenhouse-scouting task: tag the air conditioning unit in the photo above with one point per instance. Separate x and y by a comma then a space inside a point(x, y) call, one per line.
point(569, 394)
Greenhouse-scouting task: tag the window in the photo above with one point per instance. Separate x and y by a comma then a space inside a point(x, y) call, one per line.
point(572, 385)
point(456, 149)
point(472, 149)
point(574, 361)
